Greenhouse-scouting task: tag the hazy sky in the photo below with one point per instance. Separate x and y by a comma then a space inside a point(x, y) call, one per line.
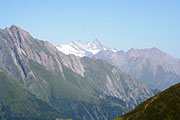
point(121, 24)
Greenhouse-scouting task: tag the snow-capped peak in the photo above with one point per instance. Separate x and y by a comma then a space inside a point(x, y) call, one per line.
point(81, 49)
point(96, 45)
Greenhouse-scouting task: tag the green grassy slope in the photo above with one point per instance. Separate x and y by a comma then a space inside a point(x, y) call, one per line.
point(163, 106)
point(19, 104)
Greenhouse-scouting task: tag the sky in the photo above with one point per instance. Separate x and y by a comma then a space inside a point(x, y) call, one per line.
point(120, 24)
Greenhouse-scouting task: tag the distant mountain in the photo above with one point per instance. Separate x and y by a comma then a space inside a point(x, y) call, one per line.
point(17, 103)
point(86, 88)
point(81, 49)
point(163, 106)
point(155, 68)
point(151, 66)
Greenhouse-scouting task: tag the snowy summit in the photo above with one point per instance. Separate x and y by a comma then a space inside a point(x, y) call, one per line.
point(81, 49)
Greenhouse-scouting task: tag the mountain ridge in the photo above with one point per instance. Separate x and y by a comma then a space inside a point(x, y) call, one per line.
point(81, 49)
point(69, 82)
point(155, 68)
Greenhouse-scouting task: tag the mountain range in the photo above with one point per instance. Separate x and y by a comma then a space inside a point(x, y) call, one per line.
point(151, 66)
point(72, 87)
point(81, 49)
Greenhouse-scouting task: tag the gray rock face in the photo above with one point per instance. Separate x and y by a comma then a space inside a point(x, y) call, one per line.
point(68, 80)
point(151, 66)
point(19, 46)
point(113, 82)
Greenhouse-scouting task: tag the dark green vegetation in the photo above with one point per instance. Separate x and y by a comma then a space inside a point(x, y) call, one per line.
point(163, 106)
point(84, 88)
point(17, 103)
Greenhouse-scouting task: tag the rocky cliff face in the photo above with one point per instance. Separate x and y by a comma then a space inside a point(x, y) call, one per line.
point(84, 87)
point(113, 82)
point(151, 66)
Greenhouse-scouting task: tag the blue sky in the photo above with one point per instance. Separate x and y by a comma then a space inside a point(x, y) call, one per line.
point(121, 24)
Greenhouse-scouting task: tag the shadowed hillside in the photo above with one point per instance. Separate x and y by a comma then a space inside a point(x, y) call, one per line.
point(163, 106)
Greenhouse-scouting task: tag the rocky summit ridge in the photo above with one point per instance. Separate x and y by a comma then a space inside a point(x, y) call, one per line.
point(82, 87)
point(81, 49)
point(155, 68)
